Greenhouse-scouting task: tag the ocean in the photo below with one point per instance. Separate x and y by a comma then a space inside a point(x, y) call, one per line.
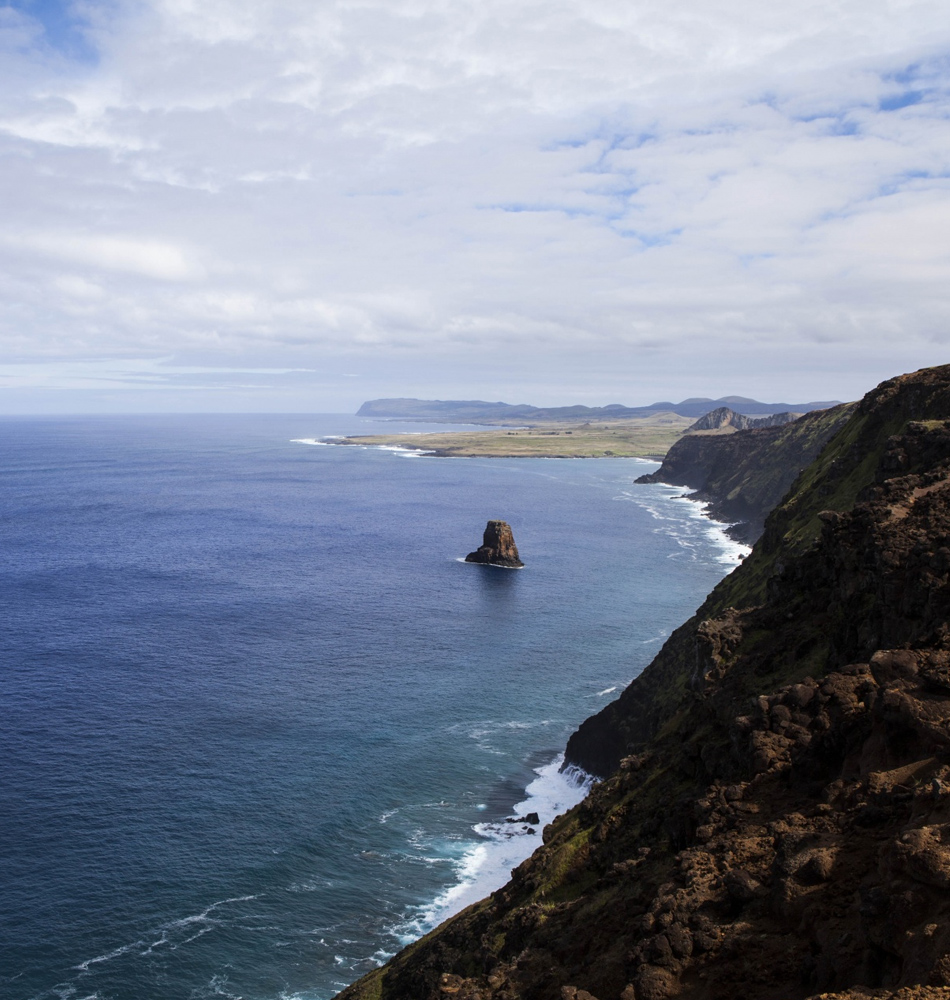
point(260, 726)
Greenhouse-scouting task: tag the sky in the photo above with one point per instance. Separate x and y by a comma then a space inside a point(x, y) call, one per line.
point(298, 205)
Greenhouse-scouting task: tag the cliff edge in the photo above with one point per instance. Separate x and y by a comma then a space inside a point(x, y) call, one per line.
point(775, 818)
point(743, 475)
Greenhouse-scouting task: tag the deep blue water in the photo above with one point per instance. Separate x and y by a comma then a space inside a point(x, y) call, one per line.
point(252, 707)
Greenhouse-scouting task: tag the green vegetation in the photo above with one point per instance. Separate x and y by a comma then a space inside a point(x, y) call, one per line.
point(561, 865)
point(744, 475)
point(643, 437)
point(834, 481)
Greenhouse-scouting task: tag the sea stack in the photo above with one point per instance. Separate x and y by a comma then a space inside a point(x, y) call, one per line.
point(498, 547)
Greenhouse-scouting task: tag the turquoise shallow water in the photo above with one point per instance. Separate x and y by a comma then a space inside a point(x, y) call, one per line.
point(260, 724)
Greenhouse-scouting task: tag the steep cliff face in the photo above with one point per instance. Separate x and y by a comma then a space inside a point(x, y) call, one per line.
point(745, 474)
point(723, 417)
point(776, 823)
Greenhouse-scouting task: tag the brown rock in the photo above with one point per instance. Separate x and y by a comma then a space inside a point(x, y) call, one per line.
point(498, 547)
point(925, 856)
point(816, 866)
point(653, 983)
point(741, 886)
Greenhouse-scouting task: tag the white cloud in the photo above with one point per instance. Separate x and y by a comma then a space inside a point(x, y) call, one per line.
point(591, 187)
point(147, 258)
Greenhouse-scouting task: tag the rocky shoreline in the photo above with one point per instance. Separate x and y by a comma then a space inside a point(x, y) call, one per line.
point(775, 816)
point(743, 476)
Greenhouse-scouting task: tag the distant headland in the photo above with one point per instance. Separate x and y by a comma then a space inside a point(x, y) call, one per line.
point(612, 431)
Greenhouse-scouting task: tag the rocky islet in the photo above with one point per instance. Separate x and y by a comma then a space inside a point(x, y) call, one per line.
point(498, 547)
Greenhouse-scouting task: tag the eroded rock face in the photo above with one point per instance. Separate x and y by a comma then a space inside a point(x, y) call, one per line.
point(498, 547)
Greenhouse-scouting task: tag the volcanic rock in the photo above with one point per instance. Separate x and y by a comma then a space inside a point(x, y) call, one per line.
point(498, 547)
point(723, 417)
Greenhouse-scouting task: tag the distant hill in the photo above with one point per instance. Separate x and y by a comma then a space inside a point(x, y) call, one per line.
point(476, 411)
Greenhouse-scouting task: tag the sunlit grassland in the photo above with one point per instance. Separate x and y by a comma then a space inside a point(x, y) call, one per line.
point(644, 437)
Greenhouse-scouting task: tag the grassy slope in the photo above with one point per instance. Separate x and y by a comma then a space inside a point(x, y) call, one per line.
point(749, 487)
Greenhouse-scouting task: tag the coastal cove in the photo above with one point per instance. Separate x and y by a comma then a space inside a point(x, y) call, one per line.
point(263, 726)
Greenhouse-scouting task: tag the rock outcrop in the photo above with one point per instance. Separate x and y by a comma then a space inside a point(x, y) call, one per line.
point(723, 418)
point(744, 475)
point(774, 821)
point(498, 547)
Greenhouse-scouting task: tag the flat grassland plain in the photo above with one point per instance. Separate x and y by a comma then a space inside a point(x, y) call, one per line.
point(640, 437)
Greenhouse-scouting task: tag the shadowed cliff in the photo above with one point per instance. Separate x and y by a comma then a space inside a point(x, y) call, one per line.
point(745, 474)
point(776, 820)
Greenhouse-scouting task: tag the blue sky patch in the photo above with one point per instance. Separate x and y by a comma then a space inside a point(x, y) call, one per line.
point(63, 28)
point(904, 100)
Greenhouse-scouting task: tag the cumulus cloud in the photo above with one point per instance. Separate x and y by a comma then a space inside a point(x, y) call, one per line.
point(628, 199)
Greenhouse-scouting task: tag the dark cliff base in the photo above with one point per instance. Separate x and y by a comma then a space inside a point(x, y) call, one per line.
point(776, 823)
point(744, 475)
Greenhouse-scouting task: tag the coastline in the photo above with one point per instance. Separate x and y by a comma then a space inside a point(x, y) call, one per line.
point(732, 550)
point(738, 547)
point(486, 863)
point(776, 779)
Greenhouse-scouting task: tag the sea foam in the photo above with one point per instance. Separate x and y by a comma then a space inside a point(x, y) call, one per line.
point(502, 846)
point(397, 449)
point(654, 497)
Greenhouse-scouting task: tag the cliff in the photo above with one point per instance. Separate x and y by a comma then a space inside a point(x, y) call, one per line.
point(743, 475)
point(724, 418)
point(776, 820)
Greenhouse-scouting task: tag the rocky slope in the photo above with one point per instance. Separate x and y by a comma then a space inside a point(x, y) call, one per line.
point(776, 819)
point(724, 418)
point(745, 474)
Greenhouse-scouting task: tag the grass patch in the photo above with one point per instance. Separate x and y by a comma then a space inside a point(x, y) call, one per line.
point(560, 862)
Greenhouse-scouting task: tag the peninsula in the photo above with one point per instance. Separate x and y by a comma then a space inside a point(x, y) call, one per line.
point(643, 437)
point(569, 431)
